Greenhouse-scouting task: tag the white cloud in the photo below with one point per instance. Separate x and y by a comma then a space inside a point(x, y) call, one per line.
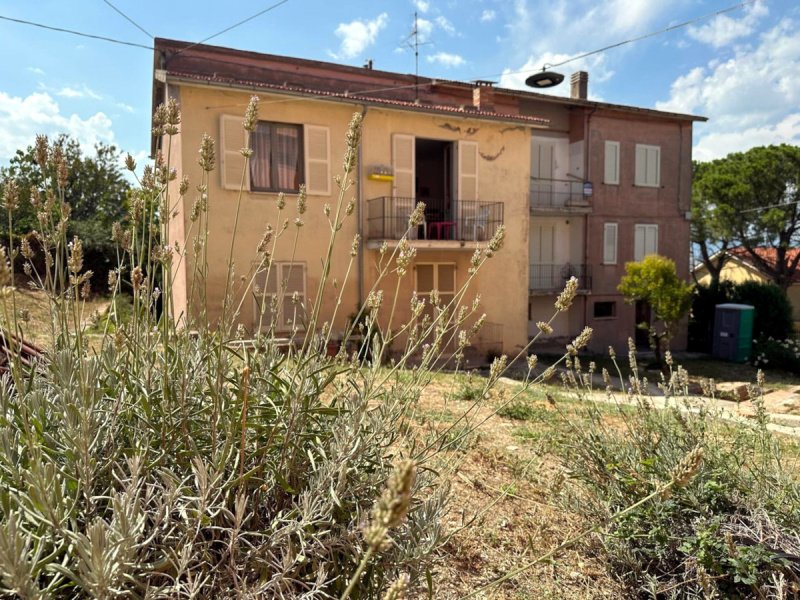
point(357, 35)
point(749, 96)
point(126, 107)
point(719, 143)
point(424, 29)
point(445, 25)
point(724, 29)
point(36, 71)
point(446, 59)
point(422, 6)
point(22, 118)
point(549, 32)
point(82, 91)
point(488, 15)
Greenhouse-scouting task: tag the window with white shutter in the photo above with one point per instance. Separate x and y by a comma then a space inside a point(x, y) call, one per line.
point(280, 293)
point(611, 171)
point(403, 157)
point(318, 164)
point(610, 243)
point(467, 170)
point(645, 241)
point(648, 166)
point(285, 155)
point(435, 276)
point(231, 162)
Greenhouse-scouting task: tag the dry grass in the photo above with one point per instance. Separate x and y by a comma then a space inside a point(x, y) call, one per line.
point(507, 489)
point(38, 329)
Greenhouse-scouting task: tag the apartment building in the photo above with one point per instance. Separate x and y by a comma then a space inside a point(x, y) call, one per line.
point(581, 186)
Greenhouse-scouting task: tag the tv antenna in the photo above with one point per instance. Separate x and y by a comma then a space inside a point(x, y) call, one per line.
point(414, 35)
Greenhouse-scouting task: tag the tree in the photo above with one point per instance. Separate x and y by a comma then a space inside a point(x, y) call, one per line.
point(751, 199)
point(711, 226)
point(655, 280)
point(97, 193)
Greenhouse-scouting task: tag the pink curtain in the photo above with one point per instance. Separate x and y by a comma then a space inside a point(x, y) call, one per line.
point(275, 164)
point(260, 142)
point(286, 155)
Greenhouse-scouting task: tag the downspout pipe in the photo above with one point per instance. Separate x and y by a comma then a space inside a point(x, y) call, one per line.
point(359, 210)
point(586, 177)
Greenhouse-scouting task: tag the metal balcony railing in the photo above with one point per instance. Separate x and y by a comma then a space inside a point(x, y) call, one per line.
point(558, 194)
point(552, 278)
point(466, 220)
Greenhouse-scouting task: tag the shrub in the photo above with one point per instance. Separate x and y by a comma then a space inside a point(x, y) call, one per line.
point(777, 354)
point(773, 311)
point(168, 463)
point(726, 531)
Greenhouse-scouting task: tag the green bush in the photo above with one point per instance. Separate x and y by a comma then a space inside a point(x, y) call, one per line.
point(176, 460)
point(773, 311)
point(777, 354)
point(722, 530)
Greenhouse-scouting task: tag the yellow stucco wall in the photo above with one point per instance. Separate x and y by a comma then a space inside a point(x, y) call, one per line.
point(201, 109)
point(504, 164)
point(504, 161)
point(731, 271)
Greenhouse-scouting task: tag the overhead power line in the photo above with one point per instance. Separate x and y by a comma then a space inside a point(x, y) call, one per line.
point(227, 29)
point(130, 20)
point(78, 33)
point(649, 35)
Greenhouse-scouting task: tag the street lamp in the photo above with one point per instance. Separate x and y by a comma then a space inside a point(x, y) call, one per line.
point(545, 79)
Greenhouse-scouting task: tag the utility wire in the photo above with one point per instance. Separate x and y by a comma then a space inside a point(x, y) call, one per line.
point(227, 29)
point(79, 33)
point(649, 35)
point(129, 20)
point(413, 85)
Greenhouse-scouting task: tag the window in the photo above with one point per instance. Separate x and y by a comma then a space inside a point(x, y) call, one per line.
point(648, 166)
point(436, 276)
point(280, 293)
point(611, 172)
point(610, 244)
point(645, 241)
point(284, 156)
point(605, 310)
point(277, 161)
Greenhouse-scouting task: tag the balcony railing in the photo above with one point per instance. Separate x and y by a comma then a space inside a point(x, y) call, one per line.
point(467, 220)
point(560, 194)
point(552, 278)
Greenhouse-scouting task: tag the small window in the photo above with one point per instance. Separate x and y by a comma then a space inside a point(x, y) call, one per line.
point(605, 310)
point(610, 244)
point(436, 276)
point(280, 294)
point(277, 161)
point(648, 166)
point(645, 241)
point(611, 172)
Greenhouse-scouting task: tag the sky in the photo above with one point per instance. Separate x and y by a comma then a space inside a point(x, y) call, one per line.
point(741, 69)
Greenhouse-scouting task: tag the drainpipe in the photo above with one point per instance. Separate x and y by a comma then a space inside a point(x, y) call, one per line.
point(586, 177)
point(360, 212)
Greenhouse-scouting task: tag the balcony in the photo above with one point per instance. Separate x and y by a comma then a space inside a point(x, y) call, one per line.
point(558, 195)
point(466, 221)
point(548, 279)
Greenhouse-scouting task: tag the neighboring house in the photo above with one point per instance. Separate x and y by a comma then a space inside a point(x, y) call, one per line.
point(739, 267)
point(581, 186)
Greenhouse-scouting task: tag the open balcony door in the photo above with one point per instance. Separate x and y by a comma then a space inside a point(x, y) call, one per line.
point(403, 187)
point(467, 191)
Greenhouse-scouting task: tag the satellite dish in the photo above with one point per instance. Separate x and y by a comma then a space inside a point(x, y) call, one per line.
point(544, 79)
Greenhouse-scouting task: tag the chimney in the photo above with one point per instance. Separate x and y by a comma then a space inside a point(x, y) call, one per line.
point(579, 88)
point(483, 95)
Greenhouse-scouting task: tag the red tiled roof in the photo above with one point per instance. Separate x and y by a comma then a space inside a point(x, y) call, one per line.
point(356, 97)
point(768, 255)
